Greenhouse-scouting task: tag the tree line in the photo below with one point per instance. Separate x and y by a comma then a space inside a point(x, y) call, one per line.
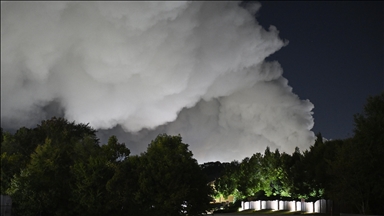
point(349, 171)
point(60, 168)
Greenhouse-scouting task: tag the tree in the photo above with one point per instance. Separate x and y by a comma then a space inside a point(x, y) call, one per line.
point(171, 181)
point(213, 170)
point(358, 168)
point(123, 188)
point(227, 184)
point(91, 172)
point(296, 170)
point(249, 178)
point(246, 177)
point(273, 175)
point(15, 154)
point(44, 183)
point(315, 168)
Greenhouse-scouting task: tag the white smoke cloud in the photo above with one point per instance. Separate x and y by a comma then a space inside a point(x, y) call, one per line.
point(190, 68)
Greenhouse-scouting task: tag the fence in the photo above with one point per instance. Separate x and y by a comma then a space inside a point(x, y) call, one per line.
point(319, 206)
point(6, 204)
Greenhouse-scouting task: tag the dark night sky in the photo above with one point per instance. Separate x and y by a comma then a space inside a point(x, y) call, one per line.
point(334, 57)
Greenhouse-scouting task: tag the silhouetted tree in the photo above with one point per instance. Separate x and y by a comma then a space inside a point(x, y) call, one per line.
point(358, 168)
point(171, 181)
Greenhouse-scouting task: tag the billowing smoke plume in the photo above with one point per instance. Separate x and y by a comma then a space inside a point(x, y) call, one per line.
point(190, 68)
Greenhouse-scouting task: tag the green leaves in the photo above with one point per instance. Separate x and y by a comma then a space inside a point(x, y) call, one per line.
point(171, 180)
point(115, 151)
point(350, 171)
point(359, 162)
point(59, 168)
point(40, 183)
point(40, 161)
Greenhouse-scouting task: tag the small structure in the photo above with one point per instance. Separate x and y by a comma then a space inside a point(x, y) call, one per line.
point(6, 205)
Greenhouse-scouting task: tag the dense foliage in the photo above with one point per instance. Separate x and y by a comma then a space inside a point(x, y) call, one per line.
point(280, 175)
point(60, 168)
point(349, 171)
point(359, 165)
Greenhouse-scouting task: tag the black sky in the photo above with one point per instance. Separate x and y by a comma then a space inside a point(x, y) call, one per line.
point(334, 57)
